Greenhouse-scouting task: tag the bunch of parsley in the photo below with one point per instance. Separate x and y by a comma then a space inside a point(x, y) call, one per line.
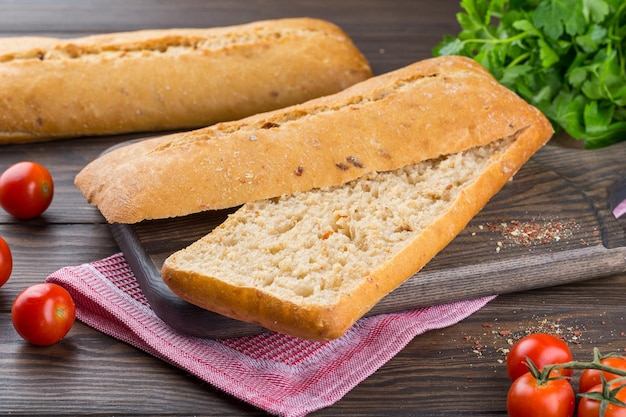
point(566, 57)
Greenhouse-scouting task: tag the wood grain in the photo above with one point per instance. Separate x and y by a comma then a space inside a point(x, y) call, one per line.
point(441, 373)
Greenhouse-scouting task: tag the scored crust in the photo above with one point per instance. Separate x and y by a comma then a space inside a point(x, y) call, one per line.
point(431, 108)
point(168, 79)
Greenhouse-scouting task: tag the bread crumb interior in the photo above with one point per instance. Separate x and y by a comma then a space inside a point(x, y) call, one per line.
point(314, 246)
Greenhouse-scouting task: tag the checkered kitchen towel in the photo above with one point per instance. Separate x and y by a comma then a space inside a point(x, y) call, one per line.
point(280, 374)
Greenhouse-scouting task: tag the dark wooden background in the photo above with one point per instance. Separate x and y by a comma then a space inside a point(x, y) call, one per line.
point(454, 371)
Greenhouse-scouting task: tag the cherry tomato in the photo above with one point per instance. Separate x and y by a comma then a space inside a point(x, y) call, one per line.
point(43, 313)
point(526, 398)
point(26, 189)
point(6, 262)
point(588, 407)
point(543, 349)
point(591, 377)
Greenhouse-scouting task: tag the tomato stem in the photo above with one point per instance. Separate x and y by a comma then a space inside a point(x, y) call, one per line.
point(594, 364)
point(544, 375)
point(607, 395)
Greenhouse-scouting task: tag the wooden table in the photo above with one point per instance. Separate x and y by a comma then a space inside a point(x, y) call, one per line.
point(454, 371)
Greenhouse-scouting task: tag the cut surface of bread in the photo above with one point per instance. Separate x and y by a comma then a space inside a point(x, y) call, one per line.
point(312, 263)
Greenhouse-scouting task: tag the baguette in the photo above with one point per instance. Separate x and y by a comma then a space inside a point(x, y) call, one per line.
point(311, 264)
point(168, 79)
point(430, 108)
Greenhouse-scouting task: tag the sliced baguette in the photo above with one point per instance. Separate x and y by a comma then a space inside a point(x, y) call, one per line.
point(311, 264)
point(168, 79)
point(425, 110)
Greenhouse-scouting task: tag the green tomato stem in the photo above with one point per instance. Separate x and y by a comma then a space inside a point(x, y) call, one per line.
point(594, 364)
point(587, 365)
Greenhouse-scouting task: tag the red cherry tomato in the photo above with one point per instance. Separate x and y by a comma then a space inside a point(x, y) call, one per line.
point(6, 262)
point(43, 313)
point(591, 377)
point(543, 349)
point(526, 398)
point(588, 407)
point(26, 189)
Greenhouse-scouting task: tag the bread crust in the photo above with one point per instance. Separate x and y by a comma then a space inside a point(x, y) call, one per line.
point(425, 110)
point(324, 323)
point(168, 79)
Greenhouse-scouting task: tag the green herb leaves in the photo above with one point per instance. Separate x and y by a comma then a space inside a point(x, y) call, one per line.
point(566, 57)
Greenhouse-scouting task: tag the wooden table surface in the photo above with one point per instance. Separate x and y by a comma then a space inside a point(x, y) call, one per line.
point(453, 371)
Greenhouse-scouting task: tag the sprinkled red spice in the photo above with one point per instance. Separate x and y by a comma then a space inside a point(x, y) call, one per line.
point(495, 339)
point(535, 231)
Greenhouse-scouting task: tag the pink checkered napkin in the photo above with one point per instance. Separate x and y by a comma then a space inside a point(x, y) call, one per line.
point(280, 374)
point(620, 210)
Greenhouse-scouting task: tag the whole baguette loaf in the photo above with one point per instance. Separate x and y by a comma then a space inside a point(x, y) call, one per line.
point(311, 264)
point(168, 79)
point(431, 108)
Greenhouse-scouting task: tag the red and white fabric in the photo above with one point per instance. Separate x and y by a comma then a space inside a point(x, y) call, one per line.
point(280, 374)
